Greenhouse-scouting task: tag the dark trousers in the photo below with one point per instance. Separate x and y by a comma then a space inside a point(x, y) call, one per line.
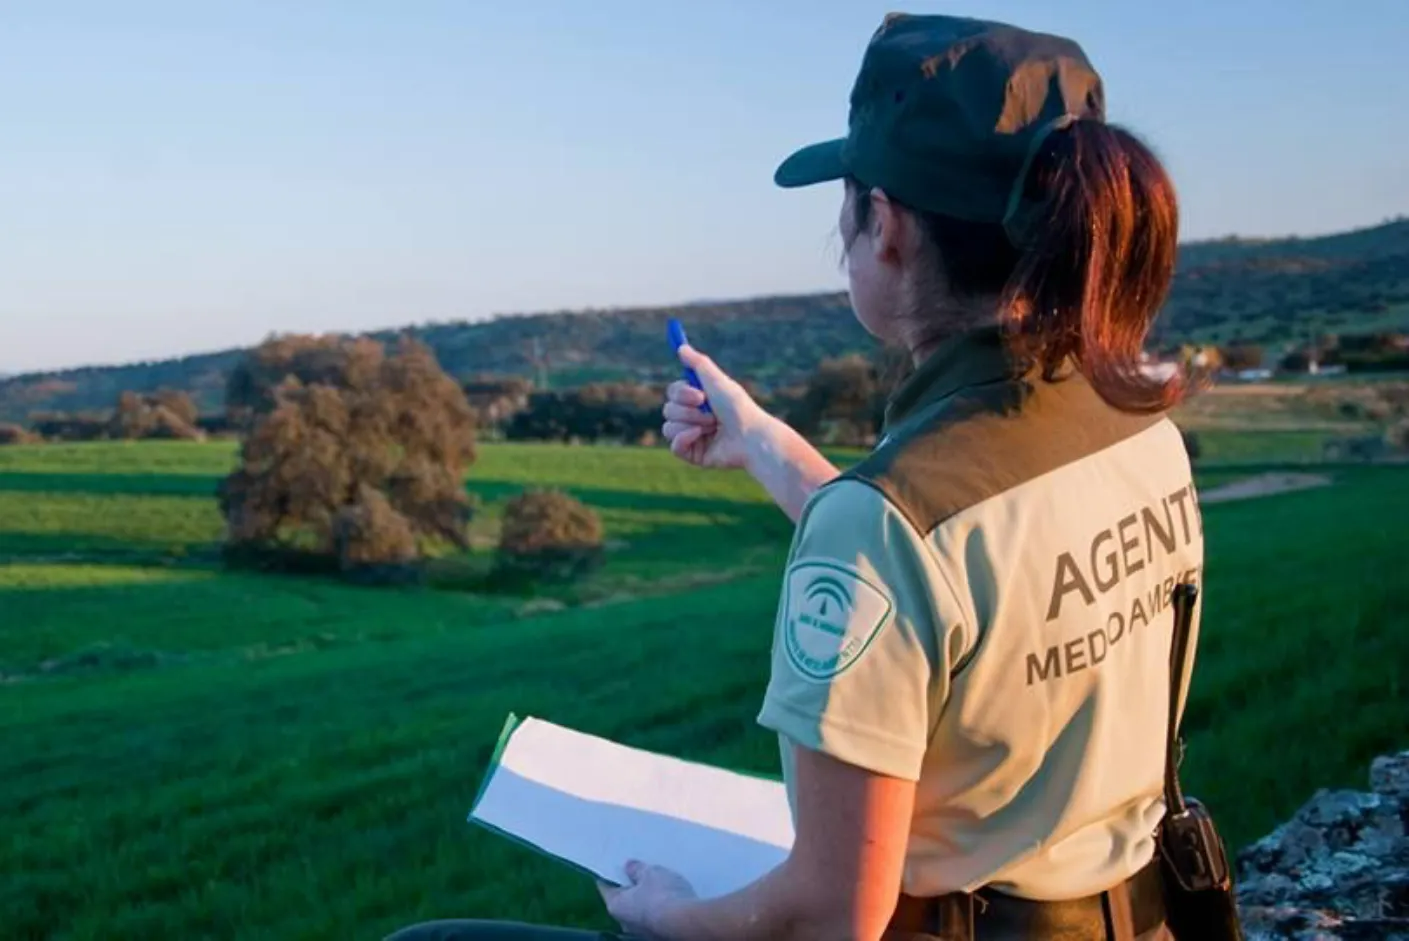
point(472, 930)
point(468, 930)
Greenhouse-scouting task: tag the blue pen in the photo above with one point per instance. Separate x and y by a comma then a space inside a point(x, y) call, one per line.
point(676, 332)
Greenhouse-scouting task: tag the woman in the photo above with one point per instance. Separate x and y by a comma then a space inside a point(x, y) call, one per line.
point(970, 663)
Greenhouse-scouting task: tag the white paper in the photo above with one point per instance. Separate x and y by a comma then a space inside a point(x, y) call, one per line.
point(597, 804)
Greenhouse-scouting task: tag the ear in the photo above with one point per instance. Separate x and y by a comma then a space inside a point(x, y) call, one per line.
point(889, 228)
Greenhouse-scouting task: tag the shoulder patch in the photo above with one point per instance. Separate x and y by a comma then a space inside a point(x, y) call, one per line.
point(831, 616)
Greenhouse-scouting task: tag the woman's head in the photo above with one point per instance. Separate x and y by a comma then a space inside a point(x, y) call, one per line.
point(983, 185)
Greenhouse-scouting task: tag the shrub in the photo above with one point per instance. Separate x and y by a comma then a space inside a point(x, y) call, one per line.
point(15, 434)
point(547, 536)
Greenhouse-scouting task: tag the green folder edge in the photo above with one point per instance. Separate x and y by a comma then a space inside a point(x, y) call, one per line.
point(510, 725)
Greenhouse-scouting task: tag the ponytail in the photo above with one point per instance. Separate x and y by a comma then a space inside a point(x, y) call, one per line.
point(1083, 269)
point(1095, 261)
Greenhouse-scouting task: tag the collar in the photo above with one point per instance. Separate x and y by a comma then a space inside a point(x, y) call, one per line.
point(969, 359)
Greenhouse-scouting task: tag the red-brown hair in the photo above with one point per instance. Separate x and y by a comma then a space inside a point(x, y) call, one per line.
point(1089, 279)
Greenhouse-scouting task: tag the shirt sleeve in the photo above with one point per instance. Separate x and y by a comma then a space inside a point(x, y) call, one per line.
point(867, 629)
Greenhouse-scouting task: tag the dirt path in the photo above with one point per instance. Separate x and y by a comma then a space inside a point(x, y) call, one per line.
point(1263, 485)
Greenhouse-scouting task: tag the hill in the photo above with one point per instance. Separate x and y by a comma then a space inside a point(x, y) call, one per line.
point(1275, 292)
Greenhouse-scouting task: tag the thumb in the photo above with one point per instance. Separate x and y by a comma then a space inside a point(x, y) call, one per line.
point(714, 379)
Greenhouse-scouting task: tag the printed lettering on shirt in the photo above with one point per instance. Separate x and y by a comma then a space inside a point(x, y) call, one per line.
point(1148, 538)
point(1150, 533)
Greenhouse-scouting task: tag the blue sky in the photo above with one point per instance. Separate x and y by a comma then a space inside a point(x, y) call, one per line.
point(180, 177)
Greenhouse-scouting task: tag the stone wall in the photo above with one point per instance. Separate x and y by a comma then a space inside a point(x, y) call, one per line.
point(1339, 869)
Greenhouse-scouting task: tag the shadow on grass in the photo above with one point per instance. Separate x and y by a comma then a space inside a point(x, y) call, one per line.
point(142, 485)
point(56, 631)
point(488, 489)
point(495, 490)
point(24, 548)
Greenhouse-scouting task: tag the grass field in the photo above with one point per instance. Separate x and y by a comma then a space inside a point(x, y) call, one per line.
point(190, 752)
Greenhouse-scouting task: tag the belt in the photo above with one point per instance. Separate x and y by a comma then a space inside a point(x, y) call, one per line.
point(1121, 913)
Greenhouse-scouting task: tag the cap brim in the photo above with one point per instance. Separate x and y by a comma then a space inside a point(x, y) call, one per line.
point(819, 163)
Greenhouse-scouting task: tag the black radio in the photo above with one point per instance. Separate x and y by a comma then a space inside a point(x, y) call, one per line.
point(1198, 882)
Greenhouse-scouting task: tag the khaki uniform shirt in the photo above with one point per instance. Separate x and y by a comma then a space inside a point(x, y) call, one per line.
point(982, 606)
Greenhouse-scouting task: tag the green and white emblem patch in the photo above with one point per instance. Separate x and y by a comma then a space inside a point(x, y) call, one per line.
point(832, 615)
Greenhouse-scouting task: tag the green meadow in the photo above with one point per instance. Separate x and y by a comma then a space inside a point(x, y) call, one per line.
point(190, 752)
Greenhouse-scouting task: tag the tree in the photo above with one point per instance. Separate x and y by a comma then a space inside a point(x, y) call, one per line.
point(165, 414)
point(619, 411)
point(547, 536)
point(177, 403)
point(496, 399)
point(1238, 356)
point(250, 390)
point(844, 402)
point(130, 420)
point(1298, 360)
point(353, 459)
point(80, 427)
point(374, 542)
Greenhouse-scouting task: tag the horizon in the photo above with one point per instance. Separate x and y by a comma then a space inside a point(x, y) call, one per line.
point(181, 182)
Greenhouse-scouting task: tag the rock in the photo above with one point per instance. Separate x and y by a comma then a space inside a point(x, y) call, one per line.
point(1389, 776)
point(1338, 870)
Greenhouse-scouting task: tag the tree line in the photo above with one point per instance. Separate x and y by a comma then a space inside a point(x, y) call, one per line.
point(842, 402)
point(167, 414)
point(1378, 352)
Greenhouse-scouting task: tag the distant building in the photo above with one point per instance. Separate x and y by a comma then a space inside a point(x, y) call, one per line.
point(1253, 375)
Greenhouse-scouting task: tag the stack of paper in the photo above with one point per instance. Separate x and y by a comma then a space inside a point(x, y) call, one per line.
point(594, 804)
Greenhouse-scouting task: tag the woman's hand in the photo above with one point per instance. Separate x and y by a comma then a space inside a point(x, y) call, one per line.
point(740, 433)
point(720, 439)
point(647, 906)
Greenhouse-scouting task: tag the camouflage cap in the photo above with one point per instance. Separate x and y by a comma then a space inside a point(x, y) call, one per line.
point(947, 113)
